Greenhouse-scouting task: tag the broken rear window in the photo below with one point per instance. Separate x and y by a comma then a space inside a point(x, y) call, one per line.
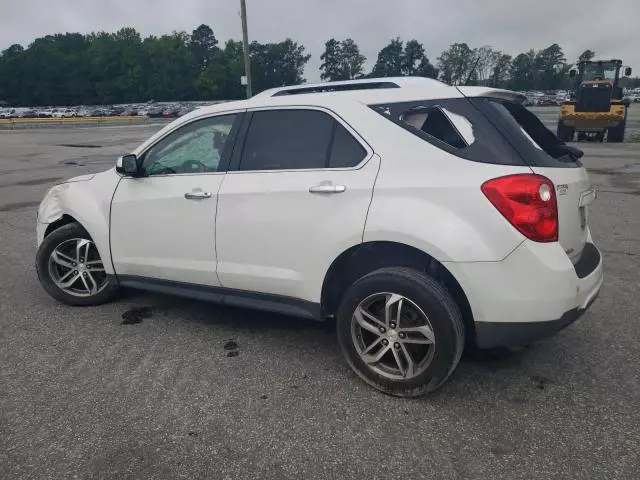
point(454, 125)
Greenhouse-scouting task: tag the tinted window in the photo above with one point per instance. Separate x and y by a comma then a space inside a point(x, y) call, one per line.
point(454, 125)
point(287, 139)
point(535, 131)
point(535, 142)
point(194, 148)
point(346, 151)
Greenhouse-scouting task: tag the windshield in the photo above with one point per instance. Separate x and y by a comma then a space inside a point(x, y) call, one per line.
point(599, 71)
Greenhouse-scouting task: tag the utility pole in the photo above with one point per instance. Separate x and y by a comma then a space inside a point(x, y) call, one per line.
point(245, 46)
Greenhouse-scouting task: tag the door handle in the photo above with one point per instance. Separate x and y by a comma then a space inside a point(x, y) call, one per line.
point(327, 188)
point(197, 195)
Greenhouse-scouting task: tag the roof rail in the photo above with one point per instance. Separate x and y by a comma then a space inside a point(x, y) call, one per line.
point(331, 87)
point(349, 85)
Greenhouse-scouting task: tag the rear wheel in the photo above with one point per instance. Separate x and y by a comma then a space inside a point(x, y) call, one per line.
point(400, 331)
point(616, 134)
point(565, 133)
point(70, 268)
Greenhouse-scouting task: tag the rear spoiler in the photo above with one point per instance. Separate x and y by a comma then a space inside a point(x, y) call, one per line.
point(493, 93)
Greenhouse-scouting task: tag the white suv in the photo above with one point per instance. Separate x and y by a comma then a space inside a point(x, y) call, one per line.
point(418, 215)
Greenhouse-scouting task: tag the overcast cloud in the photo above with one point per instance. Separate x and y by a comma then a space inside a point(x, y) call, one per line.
point(609, 28)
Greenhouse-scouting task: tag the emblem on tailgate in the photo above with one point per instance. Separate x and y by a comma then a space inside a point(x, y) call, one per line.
point(562, 189)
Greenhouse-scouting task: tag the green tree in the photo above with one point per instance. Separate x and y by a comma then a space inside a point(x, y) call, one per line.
point(426, 69)
point(203, 44)
point(11, 74)
point(412, 55)
point(500, 73)
point(456, 64)
point(351, 60)
point(586, 55)
point(523, 71)
point(341, 60)
point(390, 60)
point(277, 64)
point(171, 67)
point(331, 59)
point(400, 59)
point(551, 66)
point(485, 59)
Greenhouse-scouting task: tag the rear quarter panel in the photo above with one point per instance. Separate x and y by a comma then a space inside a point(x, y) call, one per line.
point(431, 200)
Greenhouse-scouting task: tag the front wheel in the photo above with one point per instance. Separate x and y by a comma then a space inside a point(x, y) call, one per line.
point(564, 132)
point(70, 268)
point(400, 331)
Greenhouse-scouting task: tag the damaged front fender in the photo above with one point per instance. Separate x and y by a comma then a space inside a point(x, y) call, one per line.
point(87, 200)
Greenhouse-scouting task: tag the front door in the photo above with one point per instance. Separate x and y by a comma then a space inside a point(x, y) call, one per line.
point(163, 223)
point(298, 197)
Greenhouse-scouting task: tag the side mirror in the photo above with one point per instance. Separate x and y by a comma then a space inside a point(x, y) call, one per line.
point(627, 71)
point(572, 72)
point(127, 165)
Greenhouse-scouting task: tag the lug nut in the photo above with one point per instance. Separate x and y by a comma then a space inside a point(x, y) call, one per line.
point(402, 334)
point(75, 272)
point(74, 264)
point(396, 346)
point(392, 325)
point(84, 274)
point(385, 342)
point(382, 329)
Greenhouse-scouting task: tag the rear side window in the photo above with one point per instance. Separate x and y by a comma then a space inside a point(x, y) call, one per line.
point(454, 125)
point(534, 142)
point(297, 140)
point(434, 122)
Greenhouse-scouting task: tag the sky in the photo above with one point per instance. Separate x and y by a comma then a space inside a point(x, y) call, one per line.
point(514, 26)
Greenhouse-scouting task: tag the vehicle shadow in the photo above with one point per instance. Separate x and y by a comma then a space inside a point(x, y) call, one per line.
point(475, 366)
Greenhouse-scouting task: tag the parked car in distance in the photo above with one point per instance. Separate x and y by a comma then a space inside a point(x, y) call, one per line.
point(420, 217)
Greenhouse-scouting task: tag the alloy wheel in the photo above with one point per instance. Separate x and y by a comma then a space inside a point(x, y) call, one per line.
point(76, 268)
point(393, 336)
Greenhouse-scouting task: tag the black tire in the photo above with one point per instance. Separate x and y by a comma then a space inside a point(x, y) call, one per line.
point(51, 242)
point(443, 315)
point(564, 132)
point(616, 134)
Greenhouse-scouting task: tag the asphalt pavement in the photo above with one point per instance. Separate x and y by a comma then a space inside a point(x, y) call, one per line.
point(156, 387)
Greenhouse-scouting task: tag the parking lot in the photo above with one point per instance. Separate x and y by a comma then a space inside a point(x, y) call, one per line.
point(84, 395)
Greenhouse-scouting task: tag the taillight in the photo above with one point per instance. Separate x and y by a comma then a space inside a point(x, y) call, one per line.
point(528, 202)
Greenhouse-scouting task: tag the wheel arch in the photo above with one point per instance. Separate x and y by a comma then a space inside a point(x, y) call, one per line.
point(65, 219)
point(364, 258)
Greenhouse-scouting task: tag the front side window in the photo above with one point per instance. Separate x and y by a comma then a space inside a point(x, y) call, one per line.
point(297, 140)
point(194, 148)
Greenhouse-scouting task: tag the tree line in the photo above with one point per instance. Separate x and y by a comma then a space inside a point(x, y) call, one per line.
point(107, 68)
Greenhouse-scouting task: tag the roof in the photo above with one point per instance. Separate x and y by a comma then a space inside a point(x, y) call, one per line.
point(405, 89)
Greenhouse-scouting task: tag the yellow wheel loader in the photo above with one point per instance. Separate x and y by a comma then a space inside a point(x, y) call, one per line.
point(597, 107)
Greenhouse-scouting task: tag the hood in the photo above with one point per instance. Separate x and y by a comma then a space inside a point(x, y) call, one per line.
point(81, 178)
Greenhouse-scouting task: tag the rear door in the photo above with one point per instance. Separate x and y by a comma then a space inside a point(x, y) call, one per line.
point(295, 197)
point(542, 151)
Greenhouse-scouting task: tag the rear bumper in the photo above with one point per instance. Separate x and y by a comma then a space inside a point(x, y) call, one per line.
point(514, 334)
point(533, 293)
